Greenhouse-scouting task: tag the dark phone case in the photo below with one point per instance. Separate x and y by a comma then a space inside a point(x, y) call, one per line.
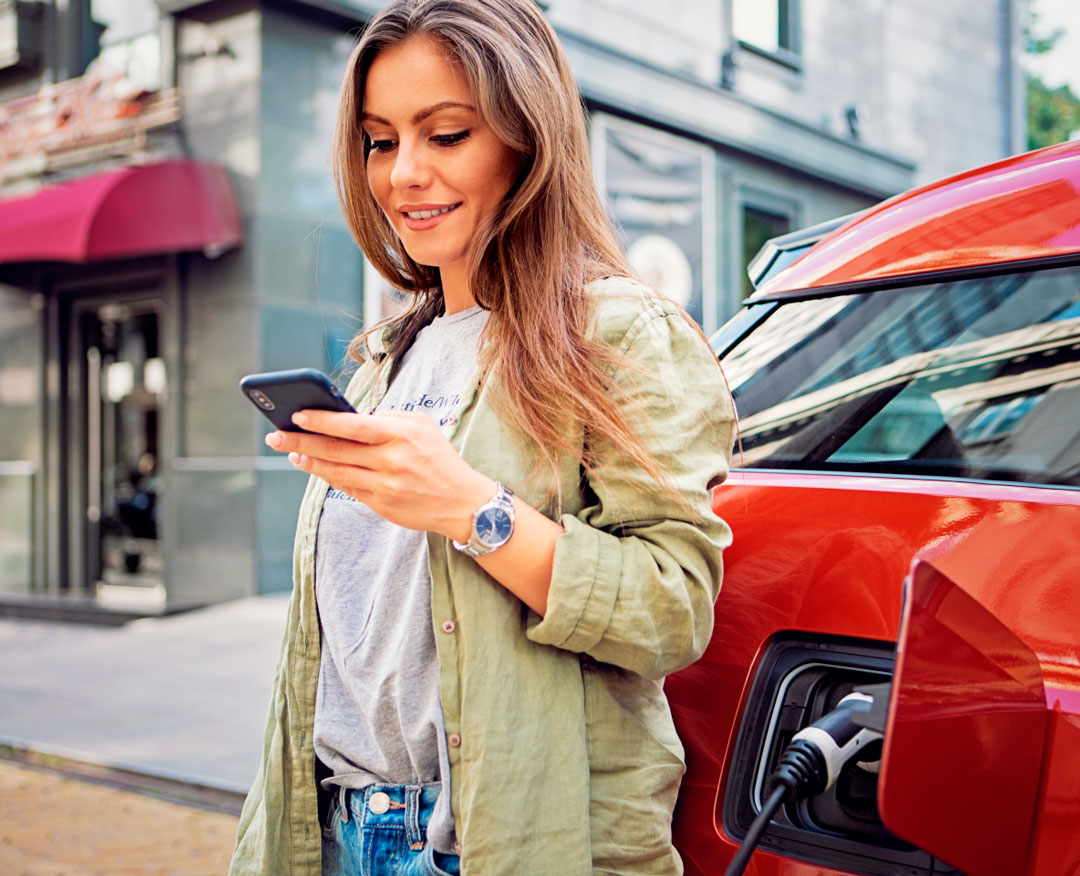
point(292, 391)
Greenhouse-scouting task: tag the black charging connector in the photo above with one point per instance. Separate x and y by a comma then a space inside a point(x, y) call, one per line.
point(813, 759)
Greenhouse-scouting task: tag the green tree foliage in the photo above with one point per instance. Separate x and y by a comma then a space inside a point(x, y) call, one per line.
point(1053, 114)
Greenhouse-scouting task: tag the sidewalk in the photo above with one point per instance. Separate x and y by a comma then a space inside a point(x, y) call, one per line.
point(181, 699)
point(56, 825)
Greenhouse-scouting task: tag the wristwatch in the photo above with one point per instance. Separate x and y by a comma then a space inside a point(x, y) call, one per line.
point(492, 524)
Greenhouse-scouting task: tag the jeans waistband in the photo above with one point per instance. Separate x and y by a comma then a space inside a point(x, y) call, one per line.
point(407, 806)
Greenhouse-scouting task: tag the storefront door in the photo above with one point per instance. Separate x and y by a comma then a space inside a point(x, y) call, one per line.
point(119, 403)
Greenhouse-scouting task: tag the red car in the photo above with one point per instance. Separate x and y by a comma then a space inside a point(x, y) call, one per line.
point(906, 510)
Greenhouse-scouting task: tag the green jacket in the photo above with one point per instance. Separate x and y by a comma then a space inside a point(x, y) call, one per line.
point(568, 761)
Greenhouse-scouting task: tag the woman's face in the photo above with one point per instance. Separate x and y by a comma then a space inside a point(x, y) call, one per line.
point(435, 168)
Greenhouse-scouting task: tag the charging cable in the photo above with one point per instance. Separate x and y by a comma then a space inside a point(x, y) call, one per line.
point(813, 759)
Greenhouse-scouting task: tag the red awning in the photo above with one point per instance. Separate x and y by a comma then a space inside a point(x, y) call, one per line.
point(170, 206)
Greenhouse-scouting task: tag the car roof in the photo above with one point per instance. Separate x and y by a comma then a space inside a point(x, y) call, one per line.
point(1015, 210)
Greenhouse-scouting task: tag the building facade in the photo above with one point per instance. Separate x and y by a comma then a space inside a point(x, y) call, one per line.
point(186, 143)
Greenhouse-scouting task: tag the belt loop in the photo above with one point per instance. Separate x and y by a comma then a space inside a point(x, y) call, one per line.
point(343, 803)
point(413, 834)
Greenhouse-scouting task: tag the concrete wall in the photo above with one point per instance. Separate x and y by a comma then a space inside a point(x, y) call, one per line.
point(213, 486)
point(309, 278)
point(935, 83)
point(309, 272)
point(684, 35)
point(931, 80)
point(291, 297)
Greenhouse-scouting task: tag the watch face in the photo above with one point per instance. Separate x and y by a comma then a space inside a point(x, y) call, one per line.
point(493, 526)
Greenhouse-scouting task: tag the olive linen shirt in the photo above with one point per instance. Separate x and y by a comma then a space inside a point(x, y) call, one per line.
point(564, 759)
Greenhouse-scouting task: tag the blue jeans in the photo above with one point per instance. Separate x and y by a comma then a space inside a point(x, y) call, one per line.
point(381, 830)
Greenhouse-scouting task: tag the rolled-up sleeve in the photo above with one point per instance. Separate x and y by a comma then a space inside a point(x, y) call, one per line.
point(637, 570)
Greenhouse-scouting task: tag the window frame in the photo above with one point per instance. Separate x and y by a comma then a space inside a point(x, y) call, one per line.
point(789, 15)
point(766, 199)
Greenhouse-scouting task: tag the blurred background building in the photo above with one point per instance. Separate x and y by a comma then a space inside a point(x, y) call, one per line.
point(168, 224)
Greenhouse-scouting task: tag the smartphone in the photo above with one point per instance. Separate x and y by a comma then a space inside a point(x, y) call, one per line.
point(280, 394)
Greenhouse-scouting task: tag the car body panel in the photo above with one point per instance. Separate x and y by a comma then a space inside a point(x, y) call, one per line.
point(961, 762)
point(828, 553)
point(1056, 846)
point(1023, 208)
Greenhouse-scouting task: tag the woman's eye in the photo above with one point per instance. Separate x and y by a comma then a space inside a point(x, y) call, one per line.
point(450, 139)
point(381, 145)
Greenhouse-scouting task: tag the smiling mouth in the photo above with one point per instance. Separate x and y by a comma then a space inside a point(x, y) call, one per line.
point(427, 214)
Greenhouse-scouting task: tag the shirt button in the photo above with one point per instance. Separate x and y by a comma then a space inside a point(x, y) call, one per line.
point(379, 802)
point(454, 739)
point(457, 848)
point(448, 626)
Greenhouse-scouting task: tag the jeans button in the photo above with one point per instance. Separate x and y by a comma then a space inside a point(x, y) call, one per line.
point(378, 803)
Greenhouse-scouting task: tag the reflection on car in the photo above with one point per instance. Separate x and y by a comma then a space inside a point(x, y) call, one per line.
point(967, 379)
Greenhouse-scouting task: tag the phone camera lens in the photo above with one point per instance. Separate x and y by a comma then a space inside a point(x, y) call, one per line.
point(261, 400)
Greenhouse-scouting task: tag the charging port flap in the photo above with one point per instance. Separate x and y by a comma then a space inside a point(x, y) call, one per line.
point(966, 726)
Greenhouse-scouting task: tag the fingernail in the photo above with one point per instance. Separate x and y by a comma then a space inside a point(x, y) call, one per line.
point(294, 458)
point(299, 419)
point(273, 439)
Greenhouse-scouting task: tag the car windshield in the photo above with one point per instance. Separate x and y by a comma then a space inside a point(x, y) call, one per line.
point(977, 378)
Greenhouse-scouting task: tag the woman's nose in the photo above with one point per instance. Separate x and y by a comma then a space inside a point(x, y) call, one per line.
point(411, 169)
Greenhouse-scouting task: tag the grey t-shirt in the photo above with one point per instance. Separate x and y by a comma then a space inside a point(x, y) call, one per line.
point(378, 716)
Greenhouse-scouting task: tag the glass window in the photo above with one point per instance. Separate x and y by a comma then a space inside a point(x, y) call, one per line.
point(758, 228)
point(660, 190)
point(769, 25)
point(977, 378)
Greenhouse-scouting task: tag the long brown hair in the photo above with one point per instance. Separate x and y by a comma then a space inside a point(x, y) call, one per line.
point(531, 260)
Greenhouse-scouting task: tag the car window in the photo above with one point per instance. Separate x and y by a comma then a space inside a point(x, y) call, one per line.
point(977, 378)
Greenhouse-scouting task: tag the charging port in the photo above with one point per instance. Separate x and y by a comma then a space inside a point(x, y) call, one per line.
point(800, 679)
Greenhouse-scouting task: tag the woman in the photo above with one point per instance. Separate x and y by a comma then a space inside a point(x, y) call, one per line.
point(500, 558)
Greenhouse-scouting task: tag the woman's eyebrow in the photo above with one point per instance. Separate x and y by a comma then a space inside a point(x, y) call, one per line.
point(421, 114)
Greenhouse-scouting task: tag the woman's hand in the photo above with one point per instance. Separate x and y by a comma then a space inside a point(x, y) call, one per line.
point(399, 464)
point(402, 467)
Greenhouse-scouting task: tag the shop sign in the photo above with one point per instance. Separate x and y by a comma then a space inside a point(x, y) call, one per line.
point(101, 114)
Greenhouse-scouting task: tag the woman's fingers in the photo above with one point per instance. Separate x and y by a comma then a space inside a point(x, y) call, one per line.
point(365, 428)
point(401, 465)
point(358, 482)
point(325, 447)
point(341, 437)
point(391, 497)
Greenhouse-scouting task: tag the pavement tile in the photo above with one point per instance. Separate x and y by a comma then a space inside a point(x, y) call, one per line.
point(183, 696)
